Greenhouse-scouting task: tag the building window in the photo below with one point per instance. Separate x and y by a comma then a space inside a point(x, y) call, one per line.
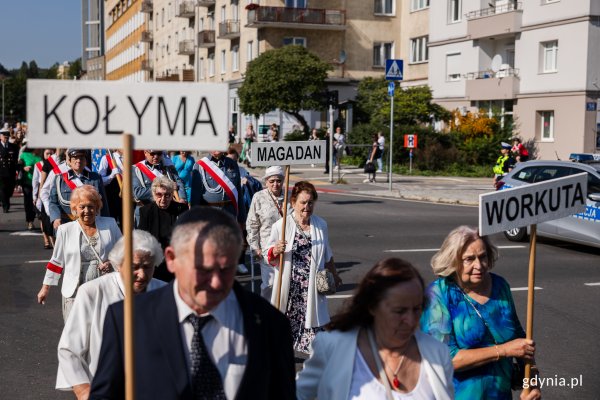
point(453, 67)
point(416, 5)
point(223, 14)
point(418, 49)
point(162, 17)
point(235, 58)
point(550, 56)
point(454, 10)
point(249, 51)
point(300, 41)
point(384, 7)
point(382, 52)
point(211, 64)
point(546, 125)
point(295, 3)
point(201, 68)
point(223, 62)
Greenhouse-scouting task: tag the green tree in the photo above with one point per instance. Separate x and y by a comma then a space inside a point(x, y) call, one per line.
point(288, 79)
point(412, 105)
point(34, 71)
point(75, 69)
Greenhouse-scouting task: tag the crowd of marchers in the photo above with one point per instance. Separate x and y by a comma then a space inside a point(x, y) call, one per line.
point(200, 335)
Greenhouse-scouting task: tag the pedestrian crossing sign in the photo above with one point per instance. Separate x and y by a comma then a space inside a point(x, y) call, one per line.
point(394, 70)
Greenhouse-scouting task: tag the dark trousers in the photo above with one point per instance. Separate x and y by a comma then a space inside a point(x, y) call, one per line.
point(7, 187)
point(28, 202)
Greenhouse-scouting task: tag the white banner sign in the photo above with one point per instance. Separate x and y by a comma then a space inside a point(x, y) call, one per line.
point(160, 115)
point(288, 153)
point(531, 204)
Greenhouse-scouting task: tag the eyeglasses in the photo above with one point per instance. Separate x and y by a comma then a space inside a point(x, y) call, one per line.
point(470, 260)
point(163, 195)
point(155, 153)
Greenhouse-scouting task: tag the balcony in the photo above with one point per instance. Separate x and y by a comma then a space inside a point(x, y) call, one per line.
point(187, 9)
point(487, 85)
point(206, 39)
point(206, 3)
point(495, 22)
point(297, 18)
point(147, 6)
point(147, 36)
point(186, 47)
point(229, 29)
point(187, 75)
point(147, 65)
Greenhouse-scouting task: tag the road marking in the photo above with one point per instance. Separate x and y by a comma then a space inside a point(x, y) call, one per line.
point(522, 289)
point(592, 284)
point(26, 233)
point(36, 261)
point(339, 296)
point(519, 246)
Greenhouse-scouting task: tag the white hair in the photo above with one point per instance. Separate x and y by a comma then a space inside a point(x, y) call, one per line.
point(143, 242)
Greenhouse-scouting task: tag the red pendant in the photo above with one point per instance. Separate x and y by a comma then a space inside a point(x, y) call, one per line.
point(396, 383)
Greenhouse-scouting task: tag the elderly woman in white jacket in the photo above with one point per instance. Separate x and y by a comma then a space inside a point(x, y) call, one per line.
point(374, 348)
point(305, 251)
point(81, 248)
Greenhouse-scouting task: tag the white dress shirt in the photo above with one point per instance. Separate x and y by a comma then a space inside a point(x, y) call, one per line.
point(223, 337)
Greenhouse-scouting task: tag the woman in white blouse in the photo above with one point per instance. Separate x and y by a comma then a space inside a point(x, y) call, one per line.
point(81, 248)
point(374, 348)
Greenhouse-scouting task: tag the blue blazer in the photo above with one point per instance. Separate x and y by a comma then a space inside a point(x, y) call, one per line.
point(160, 365)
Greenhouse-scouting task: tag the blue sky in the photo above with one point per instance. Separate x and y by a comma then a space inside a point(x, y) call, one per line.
point(47, 31)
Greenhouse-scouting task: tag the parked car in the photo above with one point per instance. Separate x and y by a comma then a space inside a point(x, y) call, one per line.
point(582, 228)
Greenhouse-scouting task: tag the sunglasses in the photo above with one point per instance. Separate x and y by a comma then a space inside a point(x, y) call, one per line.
point(155, 153)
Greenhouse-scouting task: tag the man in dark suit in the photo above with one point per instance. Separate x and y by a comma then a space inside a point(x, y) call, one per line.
point(202, 336)
point(9, 156)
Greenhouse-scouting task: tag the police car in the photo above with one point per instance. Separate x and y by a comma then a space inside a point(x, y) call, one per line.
point(582, 228)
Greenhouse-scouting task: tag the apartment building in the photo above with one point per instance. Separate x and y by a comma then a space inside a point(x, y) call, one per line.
point(92, 29)
point(534, 61)
point(127, 46)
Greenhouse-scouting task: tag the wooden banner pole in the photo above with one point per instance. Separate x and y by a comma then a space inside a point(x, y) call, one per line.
point(530, 295)
point(285, 202)
point(127, 261)
point(114, 163)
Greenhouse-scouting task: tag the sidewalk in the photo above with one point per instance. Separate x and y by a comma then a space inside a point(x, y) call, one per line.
point(450, 190)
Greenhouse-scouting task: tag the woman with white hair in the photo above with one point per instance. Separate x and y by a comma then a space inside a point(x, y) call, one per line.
point(266, 208)
point(80, 342)
point(81, 248)
point(159, 217)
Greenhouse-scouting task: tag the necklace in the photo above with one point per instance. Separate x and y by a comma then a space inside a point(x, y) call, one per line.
point(396, 381)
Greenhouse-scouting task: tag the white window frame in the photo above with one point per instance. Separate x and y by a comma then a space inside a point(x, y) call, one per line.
point(295, 3)
point(547, 115)
point(417, 5)
point(380, 47)
point(249, 51)
point(300, 41)
point(223, 13)
point(454, 11)
point(201, 68)
point(211, 65)
point(235, 58)
point(549, 48)
point(454, 77)
point(419, 53)
point(223, 62)
point(379, 7)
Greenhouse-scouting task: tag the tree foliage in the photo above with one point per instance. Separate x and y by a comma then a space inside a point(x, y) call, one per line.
point(412, 105)
point(289, 78)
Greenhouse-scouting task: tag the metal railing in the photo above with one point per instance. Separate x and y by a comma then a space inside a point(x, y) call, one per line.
point(487, 74)
point(147, 36)
point(297, 15)
point(486, 12)
point(206, 38)
point(186, 9)
point(229, 28)
point(147, 6)
point(186, 46)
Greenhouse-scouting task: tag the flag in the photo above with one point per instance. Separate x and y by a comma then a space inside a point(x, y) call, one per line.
point(97, 155)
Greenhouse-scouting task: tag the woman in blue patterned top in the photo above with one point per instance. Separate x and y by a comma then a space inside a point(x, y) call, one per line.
point(472, 311)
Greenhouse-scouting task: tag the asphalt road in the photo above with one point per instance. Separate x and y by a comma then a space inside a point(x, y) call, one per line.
point(363, 230)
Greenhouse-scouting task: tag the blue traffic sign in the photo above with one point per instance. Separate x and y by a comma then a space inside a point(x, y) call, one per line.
point(391, 87)
point(394, 70)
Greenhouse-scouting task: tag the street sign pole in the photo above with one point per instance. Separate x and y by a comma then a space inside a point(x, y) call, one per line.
point(330, 144)
point(391, 141)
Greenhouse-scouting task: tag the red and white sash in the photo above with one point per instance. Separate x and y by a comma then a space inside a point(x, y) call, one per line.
point(222, 179)
point(152, 175)
point(111, 162)
point(72, 183)
point(56, 167)
point(39, 165)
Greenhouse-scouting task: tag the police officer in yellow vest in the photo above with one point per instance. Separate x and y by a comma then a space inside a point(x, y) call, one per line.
point(504, 163)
